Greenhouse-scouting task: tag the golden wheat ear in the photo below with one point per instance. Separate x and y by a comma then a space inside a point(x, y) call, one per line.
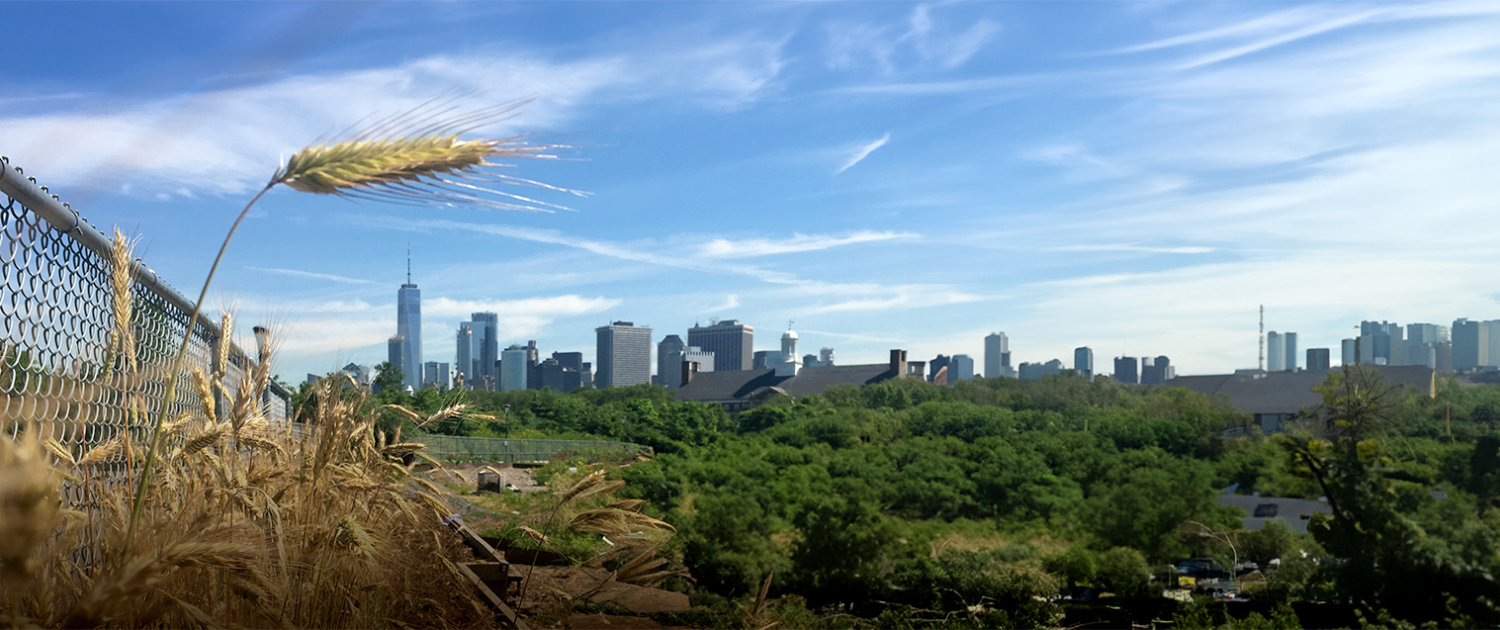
point(412, 159)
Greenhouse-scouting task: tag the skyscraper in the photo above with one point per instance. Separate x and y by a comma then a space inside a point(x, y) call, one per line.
point(935, 365)
point(624, 355)
point(960, 368)
point(436, 375)
point(1083, 361)
point(1126, 370)
point(487, 341)
point(513, 368)
point(997, 356)
point(1289, 351)
point(1349, 352)
point(463, 359)
point(732, 343)
point(666, 373)
point(409, 326)
point(1157, 371)
point(1317, 359)
point(671, 367)
point(1275, 352)
point(1471, 344)
point(826, 356)
point(393, 348)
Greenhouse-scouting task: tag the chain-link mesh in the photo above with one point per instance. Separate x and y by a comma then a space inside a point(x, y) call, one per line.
point(60, 367)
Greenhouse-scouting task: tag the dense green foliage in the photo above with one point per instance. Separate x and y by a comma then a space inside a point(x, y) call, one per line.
point(989, 497)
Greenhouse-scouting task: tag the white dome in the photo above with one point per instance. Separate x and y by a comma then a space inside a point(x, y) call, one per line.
point(790, 334)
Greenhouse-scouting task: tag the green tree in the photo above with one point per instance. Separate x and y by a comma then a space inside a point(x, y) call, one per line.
point(388, 377)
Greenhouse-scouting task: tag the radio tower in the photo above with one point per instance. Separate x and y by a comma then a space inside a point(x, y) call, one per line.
point(1261, 363)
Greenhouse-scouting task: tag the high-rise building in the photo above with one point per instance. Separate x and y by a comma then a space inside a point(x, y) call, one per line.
point(463, 359)
point(393, 349)
point(826, 356)
point(997, 356)
point(1494, 338)
point(436, 375)
point(409, 326)
point(960, 368)
point(811, 360)
point(1317, 360)
point(1126, 370)
point(487, 342)
point(1157, 371)
point(624, 355)
point(1471, 344)
point(1289, 351)
point(1083, 361)
point(513, 368)
point(1038, 371)
point(1376, 350)
point(666, 372)
point(1275, 352)
point(765, 359)
point(1349, 352)
point(732, 343)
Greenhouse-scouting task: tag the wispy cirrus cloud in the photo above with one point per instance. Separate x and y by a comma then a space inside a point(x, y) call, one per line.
point(750, 248)
point(1129, 247)
point(297, 273)
point(862, 151)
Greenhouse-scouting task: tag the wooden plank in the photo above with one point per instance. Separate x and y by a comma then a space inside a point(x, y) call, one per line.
point(513, 620)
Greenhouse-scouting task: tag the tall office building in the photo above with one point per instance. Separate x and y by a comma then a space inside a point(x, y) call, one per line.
point(960, 368)
point(1376, 341)
point(1317, 359)
point(936, 365)
point(826, 356)
point(1083, 361)
point(765, 359)
point(1289, 351)
point(1275, 352)
point(997, 356)
point(732, 343)
point(513, 368)
point(1157, 371)
point(436, 375)
point(1126, 370)
point(463, 359)
point(671, 367)
point(666, 372)
point(1349, 352)
point(393, 349)
point(1471, 344)
point(624, 355)
point(486, 327)
point(409, 326)
point(575, 372)
point(1494, 337)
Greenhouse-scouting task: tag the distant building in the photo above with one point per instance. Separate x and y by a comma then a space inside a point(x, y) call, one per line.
point(1471, 345)
point(586, 375)
point(741, 390)
point(732, 343)
point(573, 372)
point(1274, 398)
point(360, 374)
point(393, 349)
point(436, 375)
point(667, 372)
point(1275, 352)
point(672, 369)
point(1376, 340)
point(997, 356)
point(765, 359)
point(826, 356)
point(960, 368)
point(1126, 370)
point(790, 363)
point(463, 359)
point(1157, 371)
point(1493, 333)
point(1317, 360)
point(1038, 371)
point(810, 360)
point(409, 328)
point(937, 363)
point(624, 355)
point(1083, 361)
point(486, 327)
point(513, 368)
point(1288, 352)
point(1349, 352)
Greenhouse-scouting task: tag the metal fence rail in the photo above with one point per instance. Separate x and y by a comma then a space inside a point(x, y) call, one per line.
point(55, 321)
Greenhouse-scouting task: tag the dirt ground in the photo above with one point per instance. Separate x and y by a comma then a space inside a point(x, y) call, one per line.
point(469, 473)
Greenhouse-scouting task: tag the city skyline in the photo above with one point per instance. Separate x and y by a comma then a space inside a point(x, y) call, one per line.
point(1138, 187)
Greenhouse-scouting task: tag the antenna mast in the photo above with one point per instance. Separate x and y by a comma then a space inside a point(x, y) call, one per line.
point(408, 263)
point(1261, 363)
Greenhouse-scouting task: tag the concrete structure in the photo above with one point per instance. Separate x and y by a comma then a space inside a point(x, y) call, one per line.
point(486, 328)
point(1083, 361)
point(960, 368)
point(1126, 370)
point(732, 343)
point(997, 356)
point(513, 368)
point(741, 390)
point(623, 353)
point(1471, 345)
point(409, 328)
point(669, 372)
point(1317, 360)
point(1274, 399)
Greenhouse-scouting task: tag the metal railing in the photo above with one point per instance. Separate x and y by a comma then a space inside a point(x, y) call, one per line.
point(55, 320)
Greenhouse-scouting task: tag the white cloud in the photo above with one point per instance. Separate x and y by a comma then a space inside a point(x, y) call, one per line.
point(923, 41)
point(1128, 247)
point(862, 151)
point(730, 301)
point(313, 275)
point(749, 248)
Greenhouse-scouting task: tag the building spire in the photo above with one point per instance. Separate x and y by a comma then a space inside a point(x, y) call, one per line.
point(408, 263)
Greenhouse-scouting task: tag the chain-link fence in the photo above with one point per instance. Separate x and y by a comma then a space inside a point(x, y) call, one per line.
point(57, 366)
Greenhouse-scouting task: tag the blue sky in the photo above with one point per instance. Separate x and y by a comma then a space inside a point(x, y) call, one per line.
point(1133, 176)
